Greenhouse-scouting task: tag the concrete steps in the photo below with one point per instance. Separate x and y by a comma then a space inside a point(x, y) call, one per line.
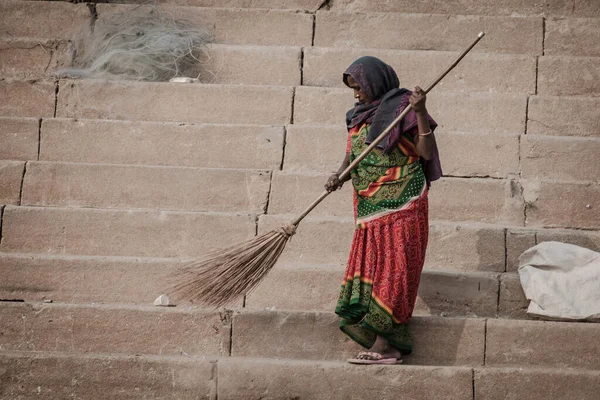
point(126, 377)
point(305, 335)
point(129, 280)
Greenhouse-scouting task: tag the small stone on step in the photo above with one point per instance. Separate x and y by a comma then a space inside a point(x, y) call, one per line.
point(162, 301)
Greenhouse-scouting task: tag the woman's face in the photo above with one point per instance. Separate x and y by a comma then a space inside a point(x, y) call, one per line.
point(359, 95)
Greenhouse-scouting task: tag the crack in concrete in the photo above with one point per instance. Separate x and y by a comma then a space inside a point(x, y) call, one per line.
point(485, 327)
point(1, 222)
point(56, 90)
point(505, 251)
point(293, 105)
point(283, 149)
point(266, 207)
point(39, 147)
point(22, 181)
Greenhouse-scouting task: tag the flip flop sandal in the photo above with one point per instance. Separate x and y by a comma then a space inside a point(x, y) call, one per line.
point(374, 358)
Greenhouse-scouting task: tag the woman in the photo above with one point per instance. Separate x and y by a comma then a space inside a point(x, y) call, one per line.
point(390, 208)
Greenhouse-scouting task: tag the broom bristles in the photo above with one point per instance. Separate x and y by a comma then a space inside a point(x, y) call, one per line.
point(224, 276)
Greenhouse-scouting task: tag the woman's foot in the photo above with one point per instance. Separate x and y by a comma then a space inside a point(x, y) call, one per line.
point(382, 352)
point(383, 347)
point(368, 357)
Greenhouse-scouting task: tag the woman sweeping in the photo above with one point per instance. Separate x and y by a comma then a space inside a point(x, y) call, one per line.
point(390, 208)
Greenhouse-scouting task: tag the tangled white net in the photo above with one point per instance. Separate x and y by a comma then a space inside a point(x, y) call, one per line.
point(142, 43)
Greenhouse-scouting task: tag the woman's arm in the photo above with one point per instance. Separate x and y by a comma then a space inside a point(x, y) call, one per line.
point(334, 182)
point(425, 140)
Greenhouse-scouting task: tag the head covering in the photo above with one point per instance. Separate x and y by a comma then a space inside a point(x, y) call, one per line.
point(380, 83)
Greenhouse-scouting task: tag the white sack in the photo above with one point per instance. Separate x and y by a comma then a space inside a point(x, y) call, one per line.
point(562, 281)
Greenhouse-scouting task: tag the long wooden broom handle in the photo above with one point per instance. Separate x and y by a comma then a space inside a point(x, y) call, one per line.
point(387, 130)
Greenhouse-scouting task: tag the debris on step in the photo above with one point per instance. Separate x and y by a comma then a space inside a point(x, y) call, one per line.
point(163, 301)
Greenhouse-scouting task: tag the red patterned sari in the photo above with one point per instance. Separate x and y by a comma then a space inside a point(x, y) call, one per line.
point(380, 286)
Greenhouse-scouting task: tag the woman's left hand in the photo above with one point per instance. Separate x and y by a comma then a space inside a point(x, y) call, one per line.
point(417, 100)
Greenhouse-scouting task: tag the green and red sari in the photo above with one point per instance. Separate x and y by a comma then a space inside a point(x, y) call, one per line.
point(380, 286)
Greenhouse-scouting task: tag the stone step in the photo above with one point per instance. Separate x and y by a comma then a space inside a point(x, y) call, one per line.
point(57, 376)
point(320, 149)
point(238, 26)
point(503, 7)
point(460, 112)
point(520, 35)
point(561, 158)
point(125, 377)
point(11, 176)
point(30, 59)
point(19, 138)
point(170, 102)
point(84, 279)
point(42, 19)
point(569, 76)
point(552, 115)
point(442, 293)
point(484, 72)
point(299, 335)
point(134, 187)
point(556, 204)
point(573, 36)
point(120, 232)
point(27, 98)
point(481, 245)
point(176, 144)
point(495, 201)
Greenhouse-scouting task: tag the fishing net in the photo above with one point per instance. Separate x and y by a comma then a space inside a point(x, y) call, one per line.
point(141, 43)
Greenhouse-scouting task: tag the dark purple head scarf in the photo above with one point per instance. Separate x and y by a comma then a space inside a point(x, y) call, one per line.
point(380, 82)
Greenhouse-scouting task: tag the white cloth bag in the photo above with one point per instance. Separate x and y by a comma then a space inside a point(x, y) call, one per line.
point(562, 281)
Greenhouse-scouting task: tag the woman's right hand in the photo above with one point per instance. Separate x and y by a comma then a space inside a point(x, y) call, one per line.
point(333, 183)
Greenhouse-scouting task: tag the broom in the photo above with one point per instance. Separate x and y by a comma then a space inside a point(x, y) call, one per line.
point(224, 276)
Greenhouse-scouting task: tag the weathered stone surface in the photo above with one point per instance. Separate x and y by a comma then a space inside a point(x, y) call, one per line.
point(317, 149)
point(485, 200)
point(572, 36)
point(554, 116)
point(560, 204)
point(517, 241)
point(11, 176)
point(586, 8)
point(319, 240)
point(253, 65)
point(26, 98)
point(465, 247)
point(519, 383)
point(120, 233)
point(130, 187)
point(241, 26)
point(471, 294)
point(44, 20)
point(77, 279)
point(529, 343)
point(500, 7)
point(317, 288)
point(254, 379)
point(102, 329)
point(170, 102)
point(569, 76)
point(25, 59)
point(57, 376)
point(292, 193)
point(19, 138)
point(478, 72)
point(463, 112)
point(405, 31)
point(126, 142)
point(512, 300)
point(588, 239)
point(474, 154)
point(560, 158)
point(308, 5)
point(316, 336)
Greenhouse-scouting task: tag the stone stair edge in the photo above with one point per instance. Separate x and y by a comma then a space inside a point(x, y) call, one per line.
point(313, 218)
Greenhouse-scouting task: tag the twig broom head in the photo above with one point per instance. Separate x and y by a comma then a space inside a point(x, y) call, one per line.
point(224, 276)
